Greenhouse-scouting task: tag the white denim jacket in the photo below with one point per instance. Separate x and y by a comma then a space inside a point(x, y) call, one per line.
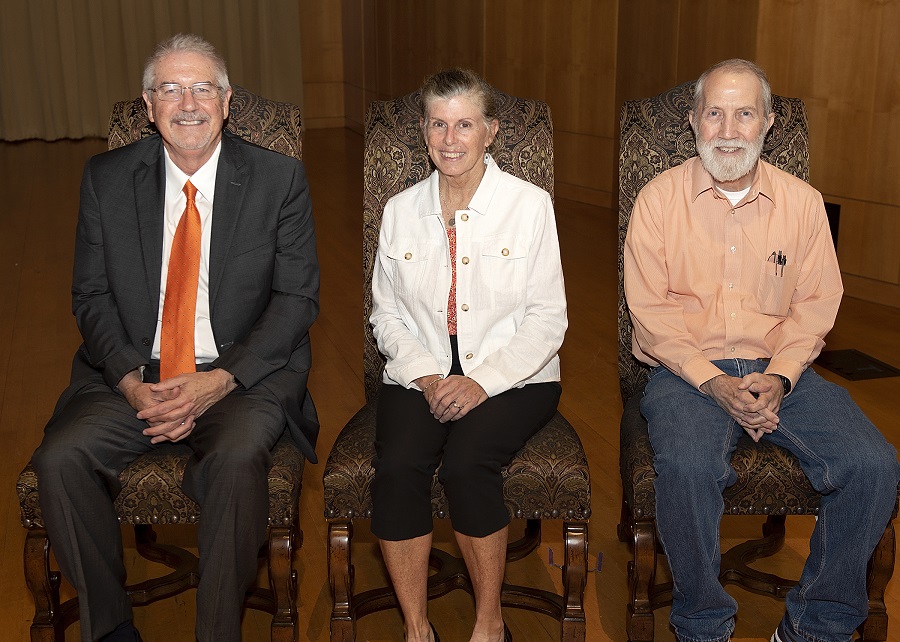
point(510, 295)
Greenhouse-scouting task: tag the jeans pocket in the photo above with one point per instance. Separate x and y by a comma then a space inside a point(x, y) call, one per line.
point(655, 372)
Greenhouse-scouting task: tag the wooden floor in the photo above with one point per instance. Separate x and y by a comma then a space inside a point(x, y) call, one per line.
point(38, 337)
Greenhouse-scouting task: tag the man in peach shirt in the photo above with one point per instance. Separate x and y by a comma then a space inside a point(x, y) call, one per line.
point(732, 283)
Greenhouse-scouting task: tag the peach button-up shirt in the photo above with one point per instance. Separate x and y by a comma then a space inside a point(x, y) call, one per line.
point(706, 280)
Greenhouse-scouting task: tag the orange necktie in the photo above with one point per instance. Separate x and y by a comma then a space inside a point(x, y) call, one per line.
point(176, 349)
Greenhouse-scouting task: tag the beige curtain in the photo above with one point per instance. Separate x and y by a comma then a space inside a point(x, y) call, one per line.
point(64, 62)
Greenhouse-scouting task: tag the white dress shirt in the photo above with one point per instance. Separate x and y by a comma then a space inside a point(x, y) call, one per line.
point(204, 179)
point(510, 294)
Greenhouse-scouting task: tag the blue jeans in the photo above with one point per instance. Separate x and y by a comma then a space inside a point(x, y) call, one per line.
point(842, 453)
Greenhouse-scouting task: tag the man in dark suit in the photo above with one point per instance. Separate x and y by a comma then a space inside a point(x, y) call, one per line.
point(195, 284)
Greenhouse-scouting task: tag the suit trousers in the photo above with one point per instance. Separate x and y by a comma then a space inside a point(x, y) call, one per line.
point(94, 437)
point(410, 443)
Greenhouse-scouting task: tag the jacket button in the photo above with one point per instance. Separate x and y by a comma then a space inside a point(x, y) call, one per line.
point(465, 260)
point(504, 252)
point(146, 341)
point(407, 256)
point(465, 217)
point(465, 308)
point(469, 356)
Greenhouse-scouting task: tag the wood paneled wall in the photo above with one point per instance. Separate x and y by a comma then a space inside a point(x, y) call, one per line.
point(585, 57)
point(390, 46)
point(843, 59)
point(322, 42)
point(561, 52)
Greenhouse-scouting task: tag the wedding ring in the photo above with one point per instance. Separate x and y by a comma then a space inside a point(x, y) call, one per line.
point(456, 405)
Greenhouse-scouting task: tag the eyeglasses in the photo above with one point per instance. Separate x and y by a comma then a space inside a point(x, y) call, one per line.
point(173, 91)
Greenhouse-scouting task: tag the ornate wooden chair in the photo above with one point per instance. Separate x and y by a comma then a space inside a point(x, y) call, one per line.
point(548, 479)
point(656, 135)
point(151, 485)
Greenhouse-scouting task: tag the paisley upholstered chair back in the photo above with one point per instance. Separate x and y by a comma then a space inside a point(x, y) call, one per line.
point(395, 158)
point(263, 122)
point(655, 136)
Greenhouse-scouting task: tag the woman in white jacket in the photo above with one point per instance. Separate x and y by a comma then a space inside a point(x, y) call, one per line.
point(469, 308)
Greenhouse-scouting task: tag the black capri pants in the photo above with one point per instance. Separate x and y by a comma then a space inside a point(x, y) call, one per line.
point(410, 443)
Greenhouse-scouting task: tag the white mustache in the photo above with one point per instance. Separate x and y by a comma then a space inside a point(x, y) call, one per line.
point(721, 142)
point(187, 115)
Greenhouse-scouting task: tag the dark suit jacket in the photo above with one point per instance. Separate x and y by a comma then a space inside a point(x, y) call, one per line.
point(263, 272)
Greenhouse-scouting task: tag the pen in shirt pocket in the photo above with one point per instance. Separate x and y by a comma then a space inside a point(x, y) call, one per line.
point(780, 260)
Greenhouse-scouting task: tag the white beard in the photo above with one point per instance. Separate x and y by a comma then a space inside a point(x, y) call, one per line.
point(727, 168)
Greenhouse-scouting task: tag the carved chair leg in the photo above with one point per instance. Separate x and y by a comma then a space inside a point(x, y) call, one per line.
point(641, 574)
point(774, 526)
point(735, 566)
point(340, 575)
point(623, 530)
point(881, 567)
point(44, 586)
point(283, 583)
point(530, 540)
point(574, 578)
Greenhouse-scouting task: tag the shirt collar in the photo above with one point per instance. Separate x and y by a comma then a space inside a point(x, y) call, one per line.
point(701, 181)
point(204, 179)
point(431, 202)
point(485, 192)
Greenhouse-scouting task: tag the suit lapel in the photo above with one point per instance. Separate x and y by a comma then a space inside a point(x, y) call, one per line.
point(149, 194)
point(232, 178)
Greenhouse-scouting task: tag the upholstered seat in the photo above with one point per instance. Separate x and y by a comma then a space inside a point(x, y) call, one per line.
point(151, 485)
point(656, 135)
point(548, 478)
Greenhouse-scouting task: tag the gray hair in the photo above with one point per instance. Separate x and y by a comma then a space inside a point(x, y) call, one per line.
point(451, 83)
point(735, 65)
point(185, 43)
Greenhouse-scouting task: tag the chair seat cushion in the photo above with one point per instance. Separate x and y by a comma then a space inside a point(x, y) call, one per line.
point(547, 479)
point(151, 488)
point(769, 478)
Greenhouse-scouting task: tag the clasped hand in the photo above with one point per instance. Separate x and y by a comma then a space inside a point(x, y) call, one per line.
point(452, 398)
point(171, 407)
point(753, 401)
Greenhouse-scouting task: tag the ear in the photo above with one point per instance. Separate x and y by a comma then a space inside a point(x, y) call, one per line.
point(149, 105)
point(493, 129)
point(691, 118)
point(769, 121)
point(226, 103)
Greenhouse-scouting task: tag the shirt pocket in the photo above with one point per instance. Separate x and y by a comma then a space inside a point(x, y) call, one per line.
point(505, 267)
point(776, 288)
point(410, 260)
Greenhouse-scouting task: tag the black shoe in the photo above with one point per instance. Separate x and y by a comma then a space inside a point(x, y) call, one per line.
point(125, 632)
point(434, 635)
